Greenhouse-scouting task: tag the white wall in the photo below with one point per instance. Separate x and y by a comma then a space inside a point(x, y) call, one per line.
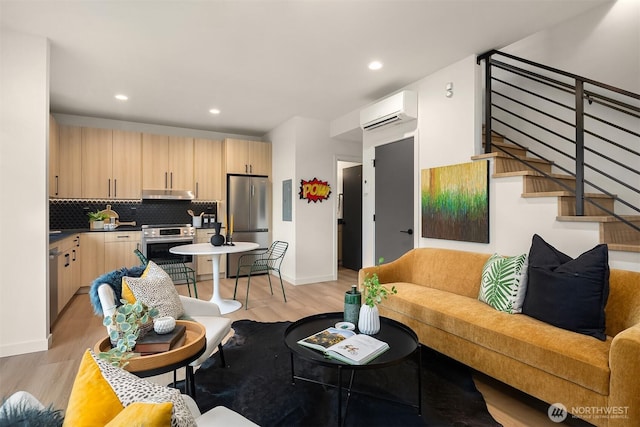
point(602, 44)
point(283, 167)
point(448, 132)
point(312, 233)
point(24, 218)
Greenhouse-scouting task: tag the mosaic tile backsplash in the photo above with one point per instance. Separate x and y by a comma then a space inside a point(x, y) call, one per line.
point(65, 214)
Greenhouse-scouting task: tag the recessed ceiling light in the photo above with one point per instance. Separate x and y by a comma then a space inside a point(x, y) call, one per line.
point(214, 111)
point(375, 65)
point(121, 97)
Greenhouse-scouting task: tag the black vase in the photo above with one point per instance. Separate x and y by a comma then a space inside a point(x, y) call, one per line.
point(217, 239)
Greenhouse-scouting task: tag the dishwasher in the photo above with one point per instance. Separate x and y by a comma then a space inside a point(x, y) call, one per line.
point(53, 287)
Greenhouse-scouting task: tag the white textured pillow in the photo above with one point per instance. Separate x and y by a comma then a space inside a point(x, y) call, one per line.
point(156, 289)
point(504, 283)
point(130, 389)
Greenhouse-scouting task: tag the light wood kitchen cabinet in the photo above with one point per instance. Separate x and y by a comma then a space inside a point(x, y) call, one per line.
point(207, 169)
point(247, 157)
point(127, 164)
point(69, 266)
point(69, 161)
point(118, 249)
point(111, 164)
point(168, 162)
point(204, 263)
point(54, 157)
point(92, 265)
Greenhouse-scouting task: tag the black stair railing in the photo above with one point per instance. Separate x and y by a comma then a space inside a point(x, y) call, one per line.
point(586, 129)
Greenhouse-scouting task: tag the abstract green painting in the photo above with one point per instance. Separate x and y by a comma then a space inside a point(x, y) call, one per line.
point(455, 202)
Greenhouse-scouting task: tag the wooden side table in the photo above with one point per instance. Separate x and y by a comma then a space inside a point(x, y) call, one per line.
point(155, 364)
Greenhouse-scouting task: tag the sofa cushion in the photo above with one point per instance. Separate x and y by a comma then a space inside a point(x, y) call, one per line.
point(141, 413)
point(568, 355)
point(566, 292)
point(504, 282)
point(155, 289)
point(101, 391)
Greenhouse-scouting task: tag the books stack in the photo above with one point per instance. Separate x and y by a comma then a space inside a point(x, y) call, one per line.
point(346, 346)
point(153, 342)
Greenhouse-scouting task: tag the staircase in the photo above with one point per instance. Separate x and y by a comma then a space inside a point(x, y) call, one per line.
point(615, 233)
point(569, 138)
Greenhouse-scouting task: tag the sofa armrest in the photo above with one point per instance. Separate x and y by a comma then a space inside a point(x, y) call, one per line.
point(399, 270)
point(198, 307)
point(624, 388)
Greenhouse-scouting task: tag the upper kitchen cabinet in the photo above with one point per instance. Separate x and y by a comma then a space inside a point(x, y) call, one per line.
point(247, 157)
point(69, 180)
point(111, 164)
point(207, 167)
point(168, 162)
point(54, 157)
point(127, 164)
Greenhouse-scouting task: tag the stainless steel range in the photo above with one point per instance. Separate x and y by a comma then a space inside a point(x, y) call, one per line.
point(158, 239)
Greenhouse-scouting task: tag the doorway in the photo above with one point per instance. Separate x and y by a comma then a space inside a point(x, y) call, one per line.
point(352, 217)
point(394, 199)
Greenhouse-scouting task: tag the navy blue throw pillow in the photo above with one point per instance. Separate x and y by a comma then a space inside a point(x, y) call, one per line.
point(565, 292)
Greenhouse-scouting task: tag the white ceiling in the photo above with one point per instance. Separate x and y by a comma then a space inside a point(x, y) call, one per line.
point(260, 62)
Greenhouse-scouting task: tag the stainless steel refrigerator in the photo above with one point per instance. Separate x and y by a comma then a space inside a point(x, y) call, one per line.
point(249, 202)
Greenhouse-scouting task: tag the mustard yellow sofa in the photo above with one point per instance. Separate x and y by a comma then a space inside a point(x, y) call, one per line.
point(598, 381)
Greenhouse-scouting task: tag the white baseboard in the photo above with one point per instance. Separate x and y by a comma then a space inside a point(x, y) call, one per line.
point(24, 347)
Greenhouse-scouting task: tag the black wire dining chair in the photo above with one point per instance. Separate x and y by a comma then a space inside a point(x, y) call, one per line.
point(262, 262)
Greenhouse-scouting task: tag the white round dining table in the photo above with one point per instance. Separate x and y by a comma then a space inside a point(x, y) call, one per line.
point(196, 249)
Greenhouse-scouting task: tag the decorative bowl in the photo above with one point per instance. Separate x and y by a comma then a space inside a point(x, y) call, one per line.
point(345, 325)
point(164, 325)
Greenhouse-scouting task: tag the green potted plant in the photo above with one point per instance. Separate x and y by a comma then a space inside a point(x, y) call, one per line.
point(129, 323)
point(374, 293)
point(96, 219)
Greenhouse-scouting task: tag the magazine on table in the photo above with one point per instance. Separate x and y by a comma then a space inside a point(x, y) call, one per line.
point(346, 346)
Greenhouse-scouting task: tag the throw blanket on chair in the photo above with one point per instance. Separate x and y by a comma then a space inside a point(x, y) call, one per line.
point(113, 279)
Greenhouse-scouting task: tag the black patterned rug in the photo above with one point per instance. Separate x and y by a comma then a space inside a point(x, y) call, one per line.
point(257, 384)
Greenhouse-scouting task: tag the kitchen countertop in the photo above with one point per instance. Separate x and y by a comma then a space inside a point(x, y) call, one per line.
point(57, 235)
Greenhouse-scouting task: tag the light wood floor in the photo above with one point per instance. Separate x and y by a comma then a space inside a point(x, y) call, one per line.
point(49, 375)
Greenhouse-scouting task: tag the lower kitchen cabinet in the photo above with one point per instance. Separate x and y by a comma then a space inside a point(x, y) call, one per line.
point(68, 269)
point(204, 263)
point(92, 265)
point(119, 247)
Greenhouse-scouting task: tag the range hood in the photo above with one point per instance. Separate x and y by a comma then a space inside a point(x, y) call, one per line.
point(167, 195)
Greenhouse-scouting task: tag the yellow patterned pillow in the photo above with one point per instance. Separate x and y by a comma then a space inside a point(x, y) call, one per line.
point(92, 401)
point(143, 414)
point(101, 392)
point(155, 289)
point(126, 291)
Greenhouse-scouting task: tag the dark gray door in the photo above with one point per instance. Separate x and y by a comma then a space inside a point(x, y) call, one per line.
point(394, 199)
point(352, 217)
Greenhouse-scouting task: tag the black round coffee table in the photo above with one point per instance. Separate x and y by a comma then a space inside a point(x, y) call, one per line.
point(403, 344)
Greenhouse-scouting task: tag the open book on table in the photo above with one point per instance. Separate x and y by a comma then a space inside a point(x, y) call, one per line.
point(346, 346)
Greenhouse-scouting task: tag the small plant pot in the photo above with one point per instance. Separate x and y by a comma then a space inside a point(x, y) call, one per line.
point(96, 225)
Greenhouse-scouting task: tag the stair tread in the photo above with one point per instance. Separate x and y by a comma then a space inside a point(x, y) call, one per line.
point(597, 218)
point(532, 173)
point(624, 247)
point(565, 194)
point(506, 144)
point(497, 154)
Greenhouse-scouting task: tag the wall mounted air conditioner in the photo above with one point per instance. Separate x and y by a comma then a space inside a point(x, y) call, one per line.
point(399, 108)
